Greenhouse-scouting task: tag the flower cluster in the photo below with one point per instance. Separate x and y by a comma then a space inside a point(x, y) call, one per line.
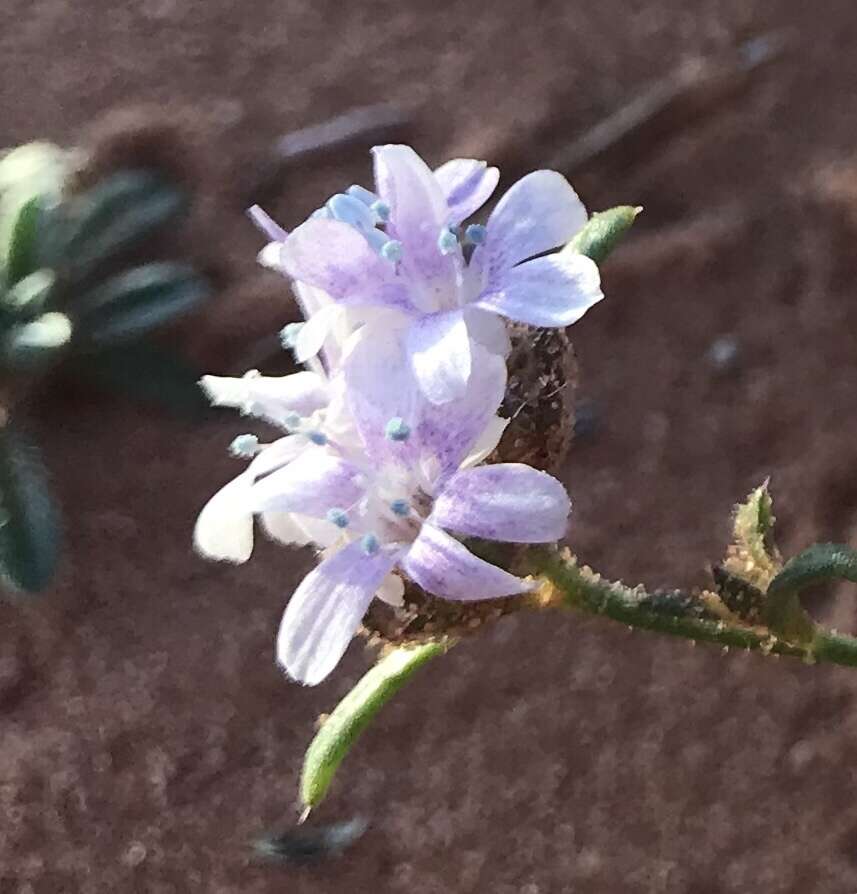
point(404, 345)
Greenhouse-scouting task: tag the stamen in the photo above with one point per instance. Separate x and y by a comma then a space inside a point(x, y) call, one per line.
point(293, 422)
point(370, 544)
point(392, 251)
point(476, 234)
point(447, 241)
point(381, 210)
point(317, 437)
point(377, 239)
point(266, 224)
point(362, 194)
point(397, 429)
point(400, 507)
point(244, 447)
point(338, 517)
point(289, 335)
point(351, 211)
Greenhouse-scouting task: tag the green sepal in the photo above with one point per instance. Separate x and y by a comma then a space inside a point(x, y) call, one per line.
point(132, 303)
point(29, 518)
point(147, 373)
point(753, 555)
point(355, 712)
point(603, 232)
point(113, 217)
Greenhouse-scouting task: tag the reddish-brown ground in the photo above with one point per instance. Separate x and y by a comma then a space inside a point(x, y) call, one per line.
point(147, 735)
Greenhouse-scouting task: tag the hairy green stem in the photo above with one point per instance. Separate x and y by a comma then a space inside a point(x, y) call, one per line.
point(677, 614)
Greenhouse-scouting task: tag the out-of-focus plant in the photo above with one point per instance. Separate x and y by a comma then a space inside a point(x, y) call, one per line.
point(79, 293)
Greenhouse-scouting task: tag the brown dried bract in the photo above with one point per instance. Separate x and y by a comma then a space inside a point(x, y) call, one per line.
point(540, 405)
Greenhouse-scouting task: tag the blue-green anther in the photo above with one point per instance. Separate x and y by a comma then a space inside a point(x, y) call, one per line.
point(401, 508)
point(318, 437)
point(370, 544)
point(392, 251)
point(292, 422)
point(351, 211)
point(447, 241)
point(381, 210)
point(362, 194)
point(475, 234)
point(397, 429)
point(338, 517)
point(244, 446)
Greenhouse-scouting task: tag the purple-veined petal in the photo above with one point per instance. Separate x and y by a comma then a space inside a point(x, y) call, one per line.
point(418, 212)
point(509, 502)
point(467, 185)
point(326, 609)
point(224, 528)
point(540, 212)
point(312, 484)
point(439, 349)
point(553, 291)
point(379, 387)
point(444, 567)
point(335, 257)
point(269, 397)
point(447, 433)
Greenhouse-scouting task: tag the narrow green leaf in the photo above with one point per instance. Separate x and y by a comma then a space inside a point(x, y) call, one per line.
point(22, 248)
point(115, 216)
point(35, 345)
point(29, 519)
point(355, 712)
point(603, 232)
point(30, 175)
point(147, 373)
point(817, 563)
point(130, 304)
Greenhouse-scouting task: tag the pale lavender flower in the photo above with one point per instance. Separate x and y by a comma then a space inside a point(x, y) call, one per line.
point(398, 264)
point(393, 503)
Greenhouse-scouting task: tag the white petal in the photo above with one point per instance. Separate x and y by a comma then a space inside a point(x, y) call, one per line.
point(224, 528)
point(487, 442)
point(269, 397)
point(392, 591)
point(317, 328)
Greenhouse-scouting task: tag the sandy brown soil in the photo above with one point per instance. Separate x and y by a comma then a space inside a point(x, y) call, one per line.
point(147, 735)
